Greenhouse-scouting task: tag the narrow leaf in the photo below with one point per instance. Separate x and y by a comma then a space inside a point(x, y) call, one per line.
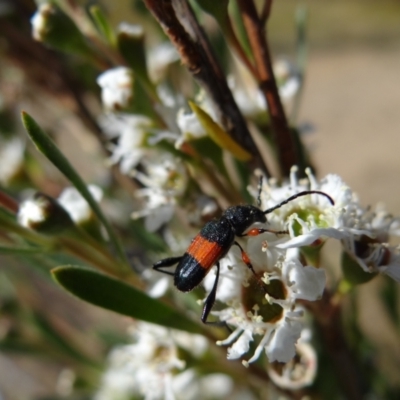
point(47, 147)
point(218, 135)
point(115, 295)
point(20, 251)
point(102, 24)
point(218, 9)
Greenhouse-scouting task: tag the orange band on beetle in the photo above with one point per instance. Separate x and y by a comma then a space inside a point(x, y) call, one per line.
point(205, 252)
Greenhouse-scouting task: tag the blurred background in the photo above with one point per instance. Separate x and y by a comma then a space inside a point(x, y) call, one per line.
point(350, 113)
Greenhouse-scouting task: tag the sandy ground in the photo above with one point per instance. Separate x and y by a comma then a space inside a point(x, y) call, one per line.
point(352, 98)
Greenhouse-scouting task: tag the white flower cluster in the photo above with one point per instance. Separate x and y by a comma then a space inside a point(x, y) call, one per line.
point(11, 158)
point(263, 305)
point(150, 368)
point(33, 210)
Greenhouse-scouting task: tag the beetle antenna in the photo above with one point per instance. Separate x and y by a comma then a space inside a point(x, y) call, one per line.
point(260, 181)
point(295, 196)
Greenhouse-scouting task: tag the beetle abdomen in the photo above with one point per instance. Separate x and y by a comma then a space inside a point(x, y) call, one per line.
point(189, 273)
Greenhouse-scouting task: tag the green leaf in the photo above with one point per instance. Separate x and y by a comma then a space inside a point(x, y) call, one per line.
point(20, 250)
point(59, 31)
point(131, 46)
point(218, 9)
point(8, 223)
point(115, 295)
point(47, 147)
point(102, 24)
point(352, 271)
point(219, 135)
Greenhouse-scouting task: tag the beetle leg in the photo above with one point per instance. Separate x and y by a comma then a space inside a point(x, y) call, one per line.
point(208, 304)
point(165, 263)
point(246, 259)
point(259, 231)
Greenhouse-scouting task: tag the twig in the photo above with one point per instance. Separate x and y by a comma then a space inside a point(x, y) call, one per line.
point(197, 55)
point(8, 202)
point(328, 318)
point(238, 48)
point(266, 11)
point(286, 149)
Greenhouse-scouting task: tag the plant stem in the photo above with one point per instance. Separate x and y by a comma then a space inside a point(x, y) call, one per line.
point(327, 315)
point(266, 11)
point(8, 202)
point(283, 139)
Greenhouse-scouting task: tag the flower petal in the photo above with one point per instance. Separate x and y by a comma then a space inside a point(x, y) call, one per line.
point(281, 347)
point(241, 345)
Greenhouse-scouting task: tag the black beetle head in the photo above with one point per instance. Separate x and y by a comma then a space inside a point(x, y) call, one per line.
point(242, 217)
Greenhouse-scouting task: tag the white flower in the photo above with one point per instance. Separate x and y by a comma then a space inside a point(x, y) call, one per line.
point(159, 58)
point(116, 88)
point(264, 305)
point(165, 179)
point(32, 211)
point(11, 158)
point(132, 30)
point(287, 79)
point(247, 95)
point(143, 368)
point(300, 371)
point(261, 305)
point(391, 264)
point(44, 214)
point(76, 206)
point(150, 366)
point(39, 21)
point(159, 209)
point(312, 217)
point(188, 123)
point(132, 132)
point(364, 233)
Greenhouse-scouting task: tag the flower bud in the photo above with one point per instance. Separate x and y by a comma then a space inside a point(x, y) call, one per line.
point(297, 373)
point(11, 158)
point(45, 215)
point(116, 88)
point(79, 210)
point(352, 271)
point(56, 29)
point(159, 59)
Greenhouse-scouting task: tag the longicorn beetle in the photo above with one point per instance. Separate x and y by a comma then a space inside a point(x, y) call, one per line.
point(214, 241)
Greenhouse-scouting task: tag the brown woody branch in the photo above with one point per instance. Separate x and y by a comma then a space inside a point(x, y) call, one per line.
point(196, 53)
point(283, 139)
point(266, 11)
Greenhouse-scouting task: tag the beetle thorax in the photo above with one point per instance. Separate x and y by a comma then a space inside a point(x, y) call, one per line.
point(242, 217)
